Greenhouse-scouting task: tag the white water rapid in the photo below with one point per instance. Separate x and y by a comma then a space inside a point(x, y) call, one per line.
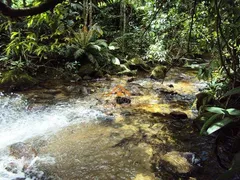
point(18, 123)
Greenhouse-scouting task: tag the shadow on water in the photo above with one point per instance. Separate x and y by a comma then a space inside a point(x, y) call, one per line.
point(80, 132)
point(88, 151)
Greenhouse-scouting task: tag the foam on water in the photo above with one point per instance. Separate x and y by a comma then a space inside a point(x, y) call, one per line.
point(18, 123)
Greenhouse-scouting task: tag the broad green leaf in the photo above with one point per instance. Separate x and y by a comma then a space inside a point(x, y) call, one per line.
point(232, 92)
point(204, 116)
point(233, 111)
point(218, 125)
point(209, 122)
point(111, 47)
point(116, 61)
point(216, 110)
point(94, 46)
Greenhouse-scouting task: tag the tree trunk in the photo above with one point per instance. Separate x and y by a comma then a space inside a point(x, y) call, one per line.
point(24, 3)
point(85, 12)
point(90, 13)
point(9, 3)
point(123, 22)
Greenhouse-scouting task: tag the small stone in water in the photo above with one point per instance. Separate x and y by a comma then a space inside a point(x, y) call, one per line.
point(171, 86)
point(12, 167)
point(123, 100)
point(179, 115)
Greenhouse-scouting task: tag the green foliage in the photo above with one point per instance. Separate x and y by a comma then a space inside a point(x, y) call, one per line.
point(86, 43)
point(207, 72)
point(166, 32)
point(232, 92)
point(216, 116)
point(161, 31)
point(157, 52)
point(16, 79)
point(129, 42)
point(37, 41)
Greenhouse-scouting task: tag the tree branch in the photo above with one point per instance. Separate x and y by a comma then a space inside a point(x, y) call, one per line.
point(11, 12)
point(218, 26)
point(191, 25)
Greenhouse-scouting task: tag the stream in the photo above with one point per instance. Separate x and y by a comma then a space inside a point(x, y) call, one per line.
point(79, 131)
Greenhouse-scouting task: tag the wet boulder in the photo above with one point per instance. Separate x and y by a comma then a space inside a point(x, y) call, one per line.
point(122, 100)
point(23, 157)
point(159, 72)
point(16, 80)
point(12, 167)
point(137, 63)
point(22, 150)
point(76, 90)
point(177, 162)
point(87, 71)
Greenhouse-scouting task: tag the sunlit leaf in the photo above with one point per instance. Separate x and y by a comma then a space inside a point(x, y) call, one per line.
point(209, 122)
point(94, 46)
point(233, 112)
point(116, 61)
point(111, 47)
point(216, 110)
point(218, 125)
point(14, 34)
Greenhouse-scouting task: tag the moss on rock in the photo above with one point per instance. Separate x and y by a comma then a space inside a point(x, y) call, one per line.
point(16, 80)
point(159, 72)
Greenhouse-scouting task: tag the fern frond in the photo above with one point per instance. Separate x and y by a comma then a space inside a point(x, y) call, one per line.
point(92, 58)
point(89, 35)
point(78, 53)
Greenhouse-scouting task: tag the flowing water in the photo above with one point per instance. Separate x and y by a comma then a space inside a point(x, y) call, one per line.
point(79, 141)
point(75, 137)
point(18, 122)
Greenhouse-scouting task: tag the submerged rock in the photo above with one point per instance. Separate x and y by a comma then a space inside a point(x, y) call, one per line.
point(12, 167)
point(144, 177)
point(52, 91)
point(177, 162)
point(123, 100)
point(179, 115)
point(20, 149)
point(24, 156)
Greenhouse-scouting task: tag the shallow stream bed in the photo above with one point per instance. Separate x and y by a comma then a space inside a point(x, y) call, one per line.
point(79, 131)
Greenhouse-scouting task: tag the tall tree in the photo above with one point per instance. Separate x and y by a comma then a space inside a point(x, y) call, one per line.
point(90, 13)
